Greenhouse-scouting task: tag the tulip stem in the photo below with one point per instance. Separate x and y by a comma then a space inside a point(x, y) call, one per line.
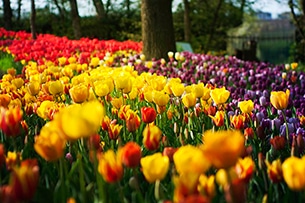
point(286, 124)
point(157, 190)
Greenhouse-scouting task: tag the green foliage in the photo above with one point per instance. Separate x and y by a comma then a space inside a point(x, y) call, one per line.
point(7, 61)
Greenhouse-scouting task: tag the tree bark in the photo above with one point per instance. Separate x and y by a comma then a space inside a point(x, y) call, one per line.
point(75, 19)
point(60, 10)
point(19, 10)
point(99, 7)
point(33, 20)
point(7, 14)
point(187, 22)
point(157, 28)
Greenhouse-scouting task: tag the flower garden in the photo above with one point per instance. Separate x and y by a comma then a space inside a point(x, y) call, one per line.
point(94, 121)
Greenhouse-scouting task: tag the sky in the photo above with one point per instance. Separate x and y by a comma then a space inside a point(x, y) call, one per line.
point(271, 6)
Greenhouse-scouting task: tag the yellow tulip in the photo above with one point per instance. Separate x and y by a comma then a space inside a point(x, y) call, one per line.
point(246, 106)
point(79, 93)
point(56, 87)
point(223, 148)
point(18, 82)
point(293, 173)
point(49, 144)
point(177, 89)
point(198, 89)
point(220, 95)
point(186, 160)
point(189, 100)
point(45, 109)
point(155, 166)
point(206, 94)
point(33, 88)
point(77, 121)
point(280, 99)
point(207, 185)
point(160, 98)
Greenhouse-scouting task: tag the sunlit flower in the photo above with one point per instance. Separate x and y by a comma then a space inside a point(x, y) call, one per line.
point(245, 168)
point(207, 185)
point(237, 121)
point(219, 118)
point(49, 144)
point(10, 120)
point(155, 167)
point(293, 173)
point(223, 148)
point(280, 99)
point(160, 98)
point(198, 90)
point(186, 160)
point(111, 167)
point(294, 65)
point(177, 89)
point(25, 179)
point(46, 109)
point(5, 99)
point(114, 130)
point(56, 87)
point(12, 159)
point(185, 186)
point(117, 102)
point(148, 114)
point(79, 93)
point(77, 121)
point(33, 87)
point(18, 82)
point(246, 106)
point(101, 89)
point(220, 95)
point(130, 154)
point(189, 100)
point(151, 136)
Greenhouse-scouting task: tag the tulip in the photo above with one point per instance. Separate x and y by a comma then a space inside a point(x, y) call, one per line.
point(49, 144)
point(5, 99)
point(114, 131)
point(280, 99)
point(101, 88)
point(246, 106)
point(207, 186)
point(33, 88)
point(220, 95)
point(293, 173)
point(186, 160)
point(133, 121)
point(155, 167)
point(12, 159)
point(130, 154)
point(79, 93)
point(237, 121)
point(77, 121)
point(18, 82)
point(151, 136)
point(24, 180)
point(185, 186)
point(232, 147)
point(160, 98)
point(110, 167)
point(56, 87)
point(219, 118)
point(46, 109)
point(189, 100)
point(177, 89)
point(245, 168)
point(274, 170)
point(10, 120)
point(148, 114)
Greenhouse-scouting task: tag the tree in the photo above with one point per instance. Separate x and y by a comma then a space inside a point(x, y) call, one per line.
point(33, 19)
point(187, 21)
point(75, 19)
point(99, 7)
point(7, 14)
point(157, 28)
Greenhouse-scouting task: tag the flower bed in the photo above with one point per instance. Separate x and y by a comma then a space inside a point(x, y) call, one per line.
point(93, 121)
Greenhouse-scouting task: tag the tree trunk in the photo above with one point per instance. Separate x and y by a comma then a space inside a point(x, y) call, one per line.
point(60, 10)
point(99, 7)
point(157, 28)
point(7, 14)
point(213, 25)
point(187, 22)
point(33, 19)
point(75, 19)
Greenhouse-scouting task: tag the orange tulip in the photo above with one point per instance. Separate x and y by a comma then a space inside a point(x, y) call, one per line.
point(49, 144)
point(114, 130)
point(130, 154)
point(133, 121)
point(148, 114)
point(5, 99)
point(151, 136)
point(237, 121)
point(110, 167)
point(219, 118)
point(223, 148)
point(274, 170)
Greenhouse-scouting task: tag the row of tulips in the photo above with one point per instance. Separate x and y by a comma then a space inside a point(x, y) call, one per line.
point(118, 128)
